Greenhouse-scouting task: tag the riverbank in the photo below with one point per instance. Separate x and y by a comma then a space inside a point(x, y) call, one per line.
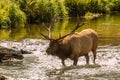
point(19, 13)
point(90, 15)
point(104, 25)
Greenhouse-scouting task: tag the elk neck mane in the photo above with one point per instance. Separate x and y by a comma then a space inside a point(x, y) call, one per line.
point(63, 51)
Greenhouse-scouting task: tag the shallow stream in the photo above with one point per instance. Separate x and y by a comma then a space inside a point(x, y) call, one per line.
point(40, 66)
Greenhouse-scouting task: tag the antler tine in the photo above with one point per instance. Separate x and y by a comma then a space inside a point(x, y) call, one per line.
point(45, 36)
point(49, 29)
point(45, 26)
point(76, 27)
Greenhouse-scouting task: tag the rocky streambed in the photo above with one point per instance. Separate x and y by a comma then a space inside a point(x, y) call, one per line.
point(40, 66)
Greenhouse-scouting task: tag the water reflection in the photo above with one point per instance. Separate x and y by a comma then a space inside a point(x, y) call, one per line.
point(107, 26)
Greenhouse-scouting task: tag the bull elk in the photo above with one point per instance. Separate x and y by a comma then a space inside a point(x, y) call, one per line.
point(73, 45)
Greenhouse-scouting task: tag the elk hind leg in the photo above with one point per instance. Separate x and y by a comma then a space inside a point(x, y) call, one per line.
point(87, 58)
point(94, 55)
point(63, 62)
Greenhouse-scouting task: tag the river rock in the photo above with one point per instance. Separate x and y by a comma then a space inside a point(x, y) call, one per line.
point(7, 53)
point(2, 77)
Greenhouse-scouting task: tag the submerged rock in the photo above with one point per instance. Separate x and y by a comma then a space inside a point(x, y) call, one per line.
point(2, 77)
point(25, 52)
point(6, 53)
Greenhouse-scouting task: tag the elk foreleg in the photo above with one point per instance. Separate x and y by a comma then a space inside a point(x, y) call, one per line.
point(75, 61)
point(63, 62)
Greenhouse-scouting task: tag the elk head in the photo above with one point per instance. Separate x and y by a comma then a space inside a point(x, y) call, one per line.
point(55, 44)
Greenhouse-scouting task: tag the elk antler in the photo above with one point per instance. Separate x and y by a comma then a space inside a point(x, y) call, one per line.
point(49, 37)
point(76, 27)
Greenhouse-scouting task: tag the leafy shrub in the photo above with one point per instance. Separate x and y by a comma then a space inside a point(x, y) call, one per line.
point(43, 10)
point(115, 6)
point(16, 16)
point(11, 15)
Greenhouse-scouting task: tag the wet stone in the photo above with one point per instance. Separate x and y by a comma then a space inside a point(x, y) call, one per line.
point(2, 77)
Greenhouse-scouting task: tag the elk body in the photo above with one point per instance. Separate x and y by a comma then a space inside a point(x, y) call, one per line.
point(74, 45)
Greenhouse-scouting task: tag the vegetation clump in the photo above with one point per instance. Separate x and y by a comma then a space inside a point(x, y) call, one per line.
point(15, 13)
point(43, 10)
point(11, 15)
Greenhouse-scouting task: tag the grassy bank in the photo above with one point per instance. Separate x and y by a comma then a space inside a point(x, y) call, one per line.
point(15, 13)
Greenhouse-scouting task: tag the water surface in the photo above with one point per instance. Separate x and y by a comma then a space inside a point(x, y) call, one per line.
point(40, 66)
point(107, 26)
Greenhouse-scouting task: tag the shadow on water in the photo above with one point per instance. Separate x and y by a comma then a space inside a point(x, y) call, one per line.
point(68, 73)
point(73, 72)
point(63, 69)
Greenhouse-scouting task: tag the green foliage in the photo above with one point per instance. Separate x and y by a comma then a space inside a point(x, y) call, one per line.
point(43, 10)
point(76, 7)
point(81, 7)
point(15, 13)
point(94, 7)
point(115, 6)
point(17, 17)
point(11, 15)
point(4, 13)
